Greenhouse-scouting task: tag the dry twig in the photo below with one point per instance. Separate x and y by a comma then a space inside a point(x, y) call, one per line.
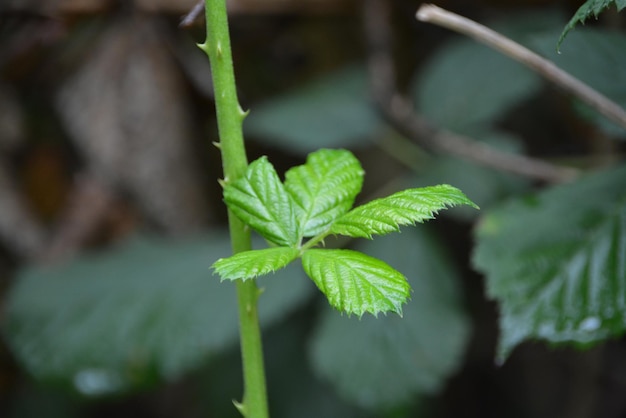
point(547, 69)
point(399, 113)
point(191, 17)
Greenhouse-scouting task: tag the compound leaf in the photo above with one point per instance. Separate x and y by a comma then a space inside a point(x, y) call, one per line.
point(382, 216)
point(260, 200)
point(324, 188)
point(249, 264)
point(557, 263)
point(356, 283)
point(589, 8)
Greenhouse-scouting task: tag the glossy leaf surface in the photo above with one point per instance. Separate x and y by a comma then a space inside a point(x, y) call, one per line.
point(556, 262)
point(260, 200)
point(382, 216)
point(324, 188)
point(356, 283)
point(250, 264)
point(382, 362)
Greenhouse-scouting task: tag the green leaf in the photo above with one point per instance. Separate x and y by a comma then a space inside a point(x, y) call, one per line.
point(596, 57)
point(249, 264)
point(324, 188)
point(330, 112)
point(589, 8)
point(259, 199)
point(384, 362)
point(145, 310)
point(466, 84)
point(356, 283)
point(382, 216)
point(556, 262)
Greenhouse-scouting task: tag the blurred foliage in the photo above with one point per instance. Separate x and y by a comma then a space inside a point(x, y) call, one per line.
point(117, 97)
point(594, 56)
point(146, 309)
point(410, 353)
point(333, 111)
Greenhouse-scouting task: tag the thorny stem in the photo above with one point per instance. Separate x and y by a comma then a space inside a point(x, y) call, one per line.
point(229, 120)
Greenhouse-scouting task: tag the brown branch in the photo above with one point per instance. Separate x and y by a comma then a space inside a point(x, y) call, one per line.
point(547, 69)
point(399, 113)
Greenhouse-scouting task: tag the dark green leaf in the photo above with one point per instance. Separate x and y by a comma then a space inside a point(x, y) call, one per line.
point(331, 112)
point(557, 262)
point(249, 264)
point(597, 58)
point(589, 8)
point(382, 362)
point(382, 216)
point(324, 188)
point(259, 199)
point(110, 321)
point(466, 84)
point(356, 283)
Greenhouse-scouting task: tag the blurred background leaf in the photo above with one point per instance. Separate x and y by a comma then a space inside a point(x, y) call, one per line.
point(556, 262)
point(378, 363)
point(466, 85)
point(147, 309)
point(332, 112)
point(594, 56)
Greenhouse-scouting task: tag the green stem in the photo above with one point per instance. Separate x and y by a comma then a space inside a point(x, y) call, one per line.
point(229, 120)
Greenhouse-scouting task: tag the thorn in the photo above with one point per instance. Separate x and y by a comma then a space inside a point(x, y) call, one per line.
point(222, 182)
point(243, 113)
point(219, 49)
point(217, 145)
point(240, 407)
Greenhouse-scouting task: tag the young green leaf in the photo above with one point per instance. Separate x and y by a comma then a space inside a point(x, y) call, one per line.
point(260, 200)
point(249, 264)
point(356, 283)
point(324, 188)
point(589, 8)
point(382, 216)
point(557, 262)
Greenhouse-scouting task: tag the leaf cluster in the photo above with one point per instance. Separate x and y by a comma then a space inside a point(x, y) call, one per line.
point(316, 201)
